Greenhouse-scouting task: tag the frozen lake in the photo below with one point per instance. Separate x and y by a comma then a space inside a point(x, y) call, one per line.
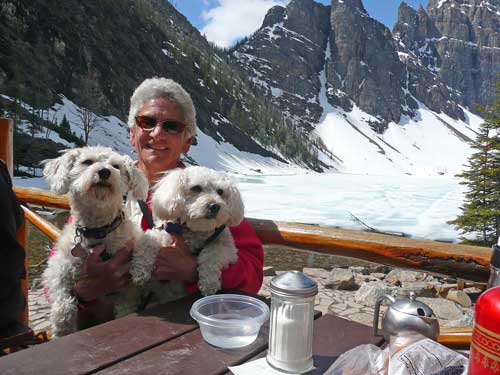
point(417, 206)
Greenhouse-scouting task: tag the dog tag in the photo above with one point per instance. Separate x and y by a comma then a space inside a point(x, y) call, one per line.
point(78, 251)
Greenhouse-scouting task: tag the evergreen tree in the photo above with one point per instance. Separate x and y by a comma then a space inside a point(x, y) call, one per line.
point(481, 210)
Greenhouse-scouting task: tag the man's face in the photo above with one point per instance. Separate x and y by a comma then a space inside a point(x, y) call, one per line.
point(158, 150)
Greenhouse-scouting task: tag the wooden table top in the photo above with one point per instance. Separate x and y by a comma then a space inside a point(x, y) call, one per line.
point(165, 340)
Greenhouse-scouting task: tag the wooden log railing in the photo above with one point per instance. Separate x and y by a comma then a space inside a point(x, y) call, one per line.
point(463, 261)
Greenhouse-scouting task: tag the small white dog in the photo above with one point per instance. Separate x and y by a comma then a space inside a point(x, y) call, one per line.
point(97, 179)
point(202, 203)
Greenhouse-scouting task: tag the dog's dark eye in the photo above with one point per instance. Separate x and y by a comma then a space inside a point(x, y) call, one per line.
point(220, 192)
point(196, 189)
point(116, 166)
point(88, 162)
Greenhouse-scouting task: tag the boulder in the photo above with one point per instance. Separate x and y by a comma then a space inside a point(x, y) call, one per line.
point(368, 293)
point(341, 279)
point(443, 309)
point(460, 297)
point(400, 276)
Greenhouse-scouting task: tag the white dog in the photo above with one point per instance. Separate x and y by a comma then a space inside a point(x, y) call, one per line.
point(203, 203)
point(96, 179)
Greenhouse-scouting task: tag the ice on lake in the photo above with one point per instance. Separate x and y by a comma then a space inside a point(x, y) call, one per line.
point(416, 206)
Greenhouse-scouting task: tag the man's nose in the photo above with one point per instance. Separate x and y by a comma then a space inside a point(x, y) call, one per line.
point(104, 173)
point(157, 131)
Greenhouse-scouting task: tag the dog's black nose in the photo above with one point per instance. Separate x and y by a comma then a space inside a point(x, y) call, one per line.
point(104, 174)
point(213, 210)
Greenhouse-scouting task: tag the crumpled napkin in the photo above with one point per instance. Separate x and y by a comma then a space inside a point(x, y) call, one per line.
point(259, 366)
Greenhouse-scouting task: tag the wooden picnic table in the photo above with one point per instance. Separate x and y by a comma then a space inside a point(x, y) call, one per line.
point(165, 340)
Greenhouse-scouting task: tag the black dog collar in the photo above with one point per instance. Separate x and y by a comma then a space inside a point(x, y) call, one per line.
point(100, 232)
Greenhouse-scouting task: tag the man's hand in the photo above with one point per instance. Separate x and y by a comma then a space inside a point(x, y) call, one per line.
point(104, 277)
point(176, 262)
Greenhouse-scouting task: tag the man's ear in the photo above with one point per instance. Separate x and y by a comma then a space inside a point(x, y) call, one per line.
point(187, 145)
point(132, 136)
point(57, 170)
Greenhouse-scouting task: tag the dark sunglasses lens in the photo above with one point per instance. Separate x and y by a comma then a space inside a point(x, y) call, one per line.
point(145, 122)
point(173, 127)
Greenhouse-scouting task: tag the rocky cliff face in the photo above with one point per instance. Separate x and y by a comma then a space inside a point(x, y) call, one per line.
point(459, 40)
point(444, 57)
point(365, 64)
point(286, 55)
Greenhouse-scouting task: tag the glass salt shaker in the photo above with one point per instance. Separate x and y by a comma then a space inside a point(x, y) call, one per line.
point(291, 323)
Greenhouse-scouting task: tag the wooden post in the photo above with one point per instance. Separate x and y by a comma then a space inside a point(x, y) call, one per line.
point(7, 142)
point(7, 154)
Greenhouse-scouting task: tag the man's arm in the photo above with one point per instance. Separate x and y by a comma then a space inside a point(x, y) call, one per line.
point(247, 273)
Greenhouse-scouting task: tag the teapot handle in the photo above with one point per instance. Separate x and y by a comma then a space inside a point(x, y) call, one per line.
point(377, 311)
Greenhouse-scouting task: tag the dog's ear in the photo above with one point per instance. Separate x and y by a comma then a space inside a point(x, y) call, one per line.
point(235, 204)
point(168, 197)
point(137, 182)
point(57, 170)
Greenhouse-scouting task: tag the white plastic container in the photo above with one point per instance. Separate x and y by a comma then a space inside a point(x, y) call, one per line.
point(229, 320)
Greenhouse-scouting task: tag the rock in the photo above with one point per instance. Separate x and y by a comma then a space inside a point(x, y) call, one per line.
point(443, 309)
point(420, 288)
point(269, 271)
point(342, 279)
point(467, 319)
point(360, 270)
point(378, 275)
point(316, 273)
point(400, 276)
point(368, 293)
point(360, 279)
point(460, 297)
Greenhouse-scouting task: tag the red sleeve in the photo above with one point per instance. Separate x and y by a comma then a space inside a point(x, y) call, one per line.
point(247, 273)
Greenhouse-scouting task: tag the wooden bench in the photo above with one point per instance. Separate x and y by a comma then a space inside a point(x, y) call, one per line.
point(16, 336)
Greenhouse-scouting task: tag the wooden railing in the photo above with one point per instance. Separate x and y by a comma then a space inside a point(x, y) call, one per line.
point(463, 261)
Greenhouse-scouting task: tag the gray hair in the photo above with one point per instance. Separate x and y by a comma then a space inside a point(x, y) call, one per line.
point(163, 88)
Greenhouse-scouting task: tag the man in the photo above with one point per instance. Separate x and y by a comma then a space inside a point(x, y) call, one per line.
point(162, 123)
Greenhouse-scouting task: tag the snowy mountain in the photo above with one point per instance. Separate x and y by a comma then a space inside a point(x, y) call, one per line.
point(381, 102)
point(323, 88)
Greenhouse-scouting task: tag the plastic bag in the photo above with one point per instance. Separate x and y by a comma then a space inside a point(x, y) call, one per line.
point(361, 360)
point(414, 354)
point(409, 354)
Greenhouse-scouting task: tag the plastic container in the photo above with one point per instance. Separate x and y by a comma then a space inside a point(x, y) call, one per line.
point(229, 320)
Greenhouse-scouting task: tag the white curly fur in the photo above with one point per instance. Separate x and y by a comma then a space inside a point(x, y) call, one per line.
point(95, 201)
point(184, 196)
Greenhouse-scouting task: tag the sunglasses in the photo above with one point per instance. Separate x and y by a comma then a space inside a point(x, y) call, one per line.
point(169, 126)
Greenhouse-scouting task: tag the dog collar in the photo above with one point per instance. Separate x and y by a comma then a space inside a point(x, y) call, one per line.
point(100, 232)
point(174, 228)
point(210, 239)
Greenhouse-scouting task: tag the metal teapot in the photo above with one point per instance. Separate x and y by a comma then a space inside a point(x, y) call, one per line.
point(406, 315)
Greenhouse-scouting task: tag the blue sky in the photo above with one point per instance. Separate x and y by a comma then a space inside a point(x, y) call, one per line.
point(225, 21)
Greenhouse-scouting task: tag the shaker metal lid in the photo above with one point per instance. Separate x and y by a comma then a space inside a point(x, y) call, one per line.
point(412, 307)
point(495, 255)
point(294, 284)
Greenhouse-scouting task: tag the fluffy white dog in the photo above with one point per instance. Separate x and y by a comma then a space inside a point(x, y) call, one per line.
point(96, 179)
point(202, 203)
